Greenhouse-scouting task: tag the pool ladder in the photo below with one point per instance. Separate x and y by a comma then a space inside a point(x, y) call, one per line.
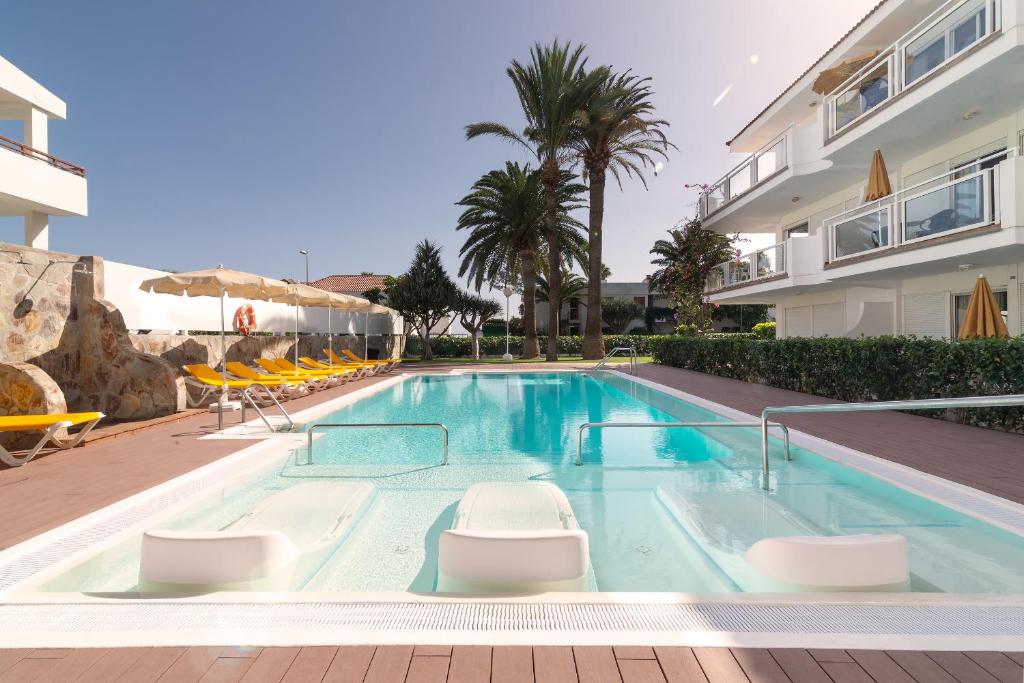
point(376, 425)
point(608, 356)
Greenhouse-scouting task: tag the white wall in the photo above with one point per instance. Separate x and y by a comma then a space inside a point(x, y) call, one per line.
point(166, 312)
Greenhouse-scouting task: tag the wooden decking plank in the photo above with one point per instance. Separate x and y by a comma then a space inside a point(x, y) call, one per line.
point(152, 664)
point(9, 658)
point(719, 665)
point(311, 664)
point(428, 669)
point(271, 665)
point(641, 671)
point(999, 665)
point(28, 669)
point(961, 667)
point(847, 672)
point(390, 664)
point(799, 665)
point(191, 666)
point(554, 664)
point(634, 652)
point(830, 655)
point(918, 665)
point(880, 666)
point(512, 664)
point(470, 664)
point(759, 665)
point(50, 653)
point(1016, 656)
point(680, 665)
point(350, 664)
point(596, 664)
point(432, 651)
point(227, 670)
point(112, 665)
point(76, 663)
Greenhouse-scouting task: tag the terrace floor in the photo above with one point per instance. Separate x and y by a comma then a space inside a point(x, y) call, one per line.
point(119, 461)
point(482, 664)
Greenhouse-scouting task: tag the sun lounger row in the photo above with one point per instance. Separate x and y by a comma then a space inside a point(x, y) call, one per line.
point(281, 378)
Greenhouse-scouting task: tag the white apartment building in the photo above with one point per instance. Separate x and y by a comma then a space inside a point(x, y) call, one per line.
point(35, 184)
point(938, 87)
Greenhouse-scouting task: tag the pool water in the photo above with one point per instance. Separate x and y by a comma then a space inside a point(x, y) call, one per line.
point(665, 509)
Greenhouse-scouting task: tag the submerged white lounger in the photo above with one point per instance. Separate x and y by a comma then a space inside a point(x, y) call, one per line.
point(859, 562)
point(281, 541)
point(513, 538)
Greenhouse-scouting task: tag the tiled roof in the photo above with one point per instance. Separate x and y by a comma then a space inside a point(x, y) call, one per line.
point(349, 283)
point(809, 69)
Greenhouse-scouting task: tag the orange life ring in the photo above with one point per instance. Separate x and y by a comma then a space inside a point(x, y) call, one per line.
point(245, 320)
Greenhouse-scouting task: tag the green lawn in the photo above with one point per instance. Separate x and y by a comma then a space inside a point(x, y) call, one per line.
point(499, 361)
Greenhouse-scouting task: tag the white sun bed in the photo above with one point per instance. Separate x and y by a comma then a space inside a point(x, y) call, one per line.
point(858, 562)
point(513, 538)
point(273, 547)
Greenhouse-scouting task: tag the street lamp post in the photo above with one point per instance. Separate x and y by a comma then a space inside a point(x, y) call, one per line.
point(507, 291)
point(305, 252)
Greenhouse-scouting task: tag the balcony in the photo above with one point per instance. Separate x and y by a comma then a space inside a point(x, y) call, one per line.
point(753, 171)
point(31, 180)
point(946, 35)
point(763, 264)
point(960, 200)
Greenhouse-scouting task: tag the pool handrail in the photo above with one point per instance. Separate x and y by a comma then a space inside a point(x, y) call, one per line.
point(252, 401)
point(1003, 401)
point(693, 425)
point(632, 358)
point(374, 425)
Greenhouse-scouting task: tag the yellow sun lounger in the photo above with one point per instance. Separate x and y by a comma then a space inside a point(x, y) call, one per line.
point(49, 425)
point(388, 363)
point(351, 369)
point(338, 361)
point(291, 386)
point(317, 379)
point(211, 382)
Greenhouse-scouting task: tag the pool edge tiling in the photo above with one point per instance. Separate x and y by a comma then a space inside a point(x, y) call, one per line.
point(937, 621)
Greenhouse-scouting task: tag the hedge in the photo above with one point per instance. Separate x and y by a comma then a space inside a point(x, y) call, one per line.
point(458, 347)
point(866, 369)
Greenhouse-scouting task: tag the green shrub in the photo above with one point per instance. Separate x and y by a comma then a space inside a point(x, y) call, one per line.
point(458, 347)
point(764, 330)
point(866, 369)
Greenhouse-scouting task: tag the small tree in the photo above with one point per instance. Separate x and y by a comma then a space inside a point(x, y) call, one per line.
point(474, 311)
point(684, 262)
point(424, 295)
point(619, 313)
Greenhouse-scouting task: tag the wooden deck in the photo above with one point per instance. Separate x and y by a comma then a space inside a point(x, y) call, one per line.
point(481, 664)
point(63, 485)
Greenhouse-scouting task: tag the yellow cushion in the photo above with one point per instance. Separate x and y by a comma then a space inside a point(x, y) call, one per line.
point(14, 423)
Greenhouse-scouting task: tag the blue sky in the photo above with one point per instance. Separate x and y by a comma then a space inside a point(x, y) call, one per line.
point(239, 131)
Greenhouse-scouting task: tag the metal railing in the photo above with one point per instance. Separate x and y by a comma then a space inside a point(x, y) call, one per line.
point(921, 404)
point(376, 425)
point(751, 267)
point(632, 358)
point(246, 396)
point(33, 153)
point(745, 176)
point(690, 425)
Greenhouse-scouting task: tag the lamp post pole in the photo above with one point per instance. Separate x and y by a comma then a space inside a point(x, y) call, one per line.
point(305, 252)
point(507, 291)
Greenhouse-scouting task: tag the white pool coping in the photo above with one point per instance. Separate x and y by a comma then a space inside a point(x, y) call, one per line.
point(912, 621)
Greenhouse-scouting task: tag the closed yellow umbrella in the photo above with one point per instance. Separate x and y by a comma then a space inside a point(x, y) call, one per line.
point(834, 76)
point(983, 318)
point(878, 179)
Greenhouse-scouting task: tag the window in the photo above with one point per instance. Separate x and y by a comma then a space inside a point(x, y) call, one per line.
point(960, 302)
point(952, 35)
point(801, 230)
point(642, 300)
point(574, 310)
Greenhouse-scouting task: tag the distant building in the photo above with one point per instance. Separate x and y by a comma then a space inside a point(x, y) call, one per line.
point(354, 285)
point(574, 313)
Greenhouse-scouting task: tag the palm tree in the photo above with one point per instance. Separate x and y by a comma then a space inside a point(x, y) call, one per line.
point(505, 214)
point(574, 288)
point(553, 89)
point(618, 135)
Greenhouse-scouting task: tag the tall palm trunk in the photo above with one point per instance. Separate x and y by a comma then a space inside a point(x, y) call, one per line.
point(531, 347)
point(550, 179)
point(593, 339)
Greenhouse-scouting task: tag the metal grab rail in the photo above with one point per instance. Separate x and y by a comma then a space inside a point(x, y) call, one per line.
point(920, 404)
point(252, 401)
point(603, 425)
point(375, 425)
point(632, 358)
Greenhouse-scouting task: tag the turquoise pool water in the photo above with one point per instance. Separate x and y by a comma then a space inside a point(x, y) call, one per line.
point(665, 509)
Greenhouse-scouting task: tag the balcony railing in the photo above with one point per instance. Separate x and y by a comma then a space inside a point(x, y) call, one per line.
point(56, 162)
point(748, 174)
point(757, 265)
point(947, 33)
point(960, 199)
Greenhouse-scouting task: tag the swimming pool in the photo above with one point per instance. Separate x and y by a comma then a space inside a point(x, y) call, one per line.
point(666, 510)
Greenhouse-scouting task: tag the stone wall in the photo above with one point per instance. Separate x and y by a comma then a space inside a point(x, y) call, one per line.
point(25, 390)
point(53, 315)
